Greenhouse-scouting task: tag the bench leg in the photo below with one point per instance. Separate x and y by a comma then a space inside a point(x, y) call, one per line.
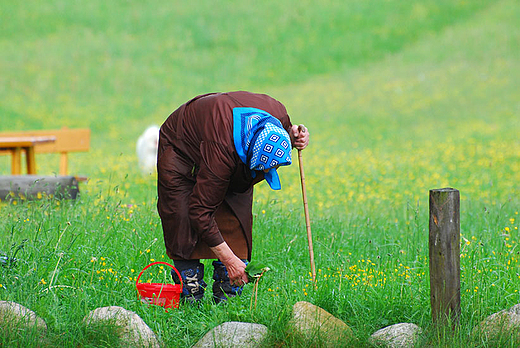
point(63, 164)
point(30, 159)
point(16, 161)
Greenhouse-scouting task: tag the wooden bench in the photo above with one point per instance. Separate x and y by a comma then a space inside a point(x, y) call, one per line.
point(17, 145)
point(66, 140)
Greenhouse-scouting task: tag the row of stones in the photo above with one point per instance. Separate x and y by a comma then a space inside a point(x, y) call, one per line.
point(308, 321)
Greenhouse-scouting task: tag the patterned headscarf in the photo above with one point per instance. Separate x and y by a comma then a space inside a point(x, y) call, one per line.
point(261, 142)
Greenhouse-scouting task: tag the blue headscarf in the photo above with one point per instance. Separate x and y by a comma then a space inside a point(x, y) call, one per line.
point(261, 142)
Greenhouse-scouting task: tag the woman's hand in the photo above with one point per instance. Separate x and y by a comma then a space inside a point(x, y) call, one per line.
point(236, 271)
point(299, 136)
point(236, 268)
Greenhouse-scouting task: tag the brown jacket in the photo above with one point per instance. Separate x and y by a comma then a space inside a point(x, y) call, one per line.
point(199, 169)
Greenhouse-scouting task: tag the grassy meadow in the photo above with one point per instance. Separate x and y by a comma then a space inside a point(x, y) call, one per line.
point(400, 97)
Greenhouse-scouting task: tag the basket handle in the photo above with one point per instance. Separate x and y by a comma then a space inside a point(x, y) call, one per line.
point(162, 263)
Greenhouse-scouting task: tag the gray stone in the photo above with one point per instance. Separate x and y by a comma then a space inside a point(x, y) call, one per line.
point(515, 309)
point(505, 322)
point(132, 329)
point(16, 316)
point(314, 323)
point(233, 334)
point(15, 187)
point(402, 335)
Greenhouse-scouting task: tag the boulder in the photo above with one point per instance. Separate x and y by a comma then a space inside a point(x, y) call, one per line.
point(402, 335)
point(505, 322)
point(131, 328)
point(314, 323)
point(233, 334)
point(16, 316)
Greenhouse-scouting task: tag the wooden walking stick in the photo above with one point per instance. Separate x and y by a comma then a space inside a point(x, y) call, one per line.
point(307, 219)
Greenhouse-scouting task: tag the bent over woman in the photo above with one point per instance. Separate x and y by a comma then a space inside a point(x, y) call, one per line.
point(212, 150)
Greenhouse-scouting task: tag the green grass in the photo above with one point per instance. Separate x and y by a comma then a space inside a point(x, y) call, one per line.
point(400, 97)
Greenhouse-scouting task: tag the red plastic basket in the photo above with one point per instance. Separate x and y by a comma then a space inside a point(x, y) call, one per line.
point(164, 295)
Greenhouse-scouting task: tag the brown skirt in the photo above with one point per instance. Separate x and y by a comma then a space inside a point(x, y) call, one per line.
point(231, 231)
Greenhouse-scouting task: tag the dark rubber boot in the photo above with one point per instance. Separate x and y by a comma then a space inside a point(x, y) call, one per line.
point(222, 288)
point(192, 274)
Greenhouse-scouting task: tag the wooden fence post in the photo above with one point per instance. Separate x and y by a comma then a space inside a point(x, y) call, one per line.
point(444, 245)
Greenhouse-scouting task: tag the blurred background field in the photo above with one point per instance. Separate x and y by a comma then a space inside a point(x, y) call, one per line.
point(400, 97)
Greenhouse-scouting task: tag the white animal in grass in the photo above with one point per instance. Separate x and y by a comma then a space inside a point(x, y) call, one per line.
point(146, 149)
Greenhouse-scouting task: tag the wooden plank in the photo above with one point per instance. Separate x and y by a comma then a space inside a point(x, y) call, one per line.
point(444, 252)
point(7, 143)
point(67, 140)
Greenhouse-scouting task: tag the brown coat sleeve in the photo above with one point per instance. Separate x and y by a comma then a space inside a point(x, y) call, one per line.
point(216, 168)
